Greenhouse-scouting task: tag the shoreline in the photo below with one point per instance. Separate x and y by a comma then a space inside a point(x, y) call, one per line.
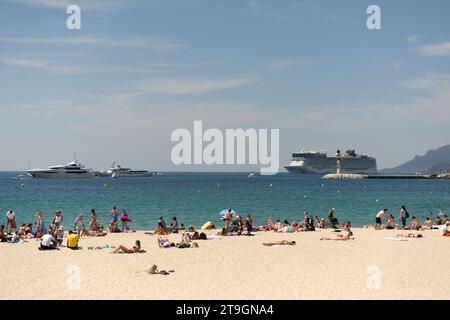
point(372, 266)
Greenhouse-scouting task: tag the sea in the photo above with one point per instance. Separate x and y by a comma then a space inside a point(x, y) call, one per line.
point(195, 198)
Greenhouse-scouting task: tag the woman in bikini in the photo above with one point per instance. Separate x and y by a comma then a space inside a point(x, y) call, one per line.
point(123, 249)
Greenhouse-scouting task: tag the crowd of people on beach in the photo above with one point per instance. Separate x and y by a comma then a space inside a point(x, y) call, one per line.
point(51, 236)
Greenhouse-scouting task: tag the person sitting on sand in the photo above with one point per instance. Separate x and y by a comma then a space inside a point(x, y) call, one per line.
point(181, 228)
point(72, 240)
point(347, 234)
point(390, 223)
point(223, 232)
point(438, 221)
point(163, 242)
point(174, 225)
point(428, 224)
point(48, 242)
point(280, 243)
point(123, 249)
point(444, 229)
point(414, 225)
point(191, 228)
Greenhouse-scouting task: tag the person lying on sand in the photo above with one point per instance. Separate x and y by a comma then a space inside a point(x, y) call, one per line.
point(123, 249)
point(280, 243)
point(347, 234)
point(409, 235)
point(163, 242)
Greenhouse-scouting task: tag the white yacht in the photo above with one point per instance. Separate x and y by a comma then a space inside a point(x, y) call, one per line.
point(117, 171)
point(71, 170)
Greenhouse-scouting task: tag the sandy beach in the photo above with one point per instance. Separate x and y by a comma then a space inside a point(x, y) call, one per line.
point(370, 267)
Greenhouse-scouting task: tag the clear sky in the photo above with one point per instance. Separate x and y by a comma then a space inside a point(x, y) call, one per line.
point(137, 70)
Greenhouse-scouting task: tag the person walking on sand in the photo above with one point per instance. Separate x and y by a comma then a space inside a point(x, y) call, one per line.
point(403, 216)
point(380, 214)
point(11, 221)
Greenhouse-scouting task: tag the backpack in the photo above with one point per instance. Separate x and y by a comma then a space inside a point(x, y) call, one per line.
point(407, 214)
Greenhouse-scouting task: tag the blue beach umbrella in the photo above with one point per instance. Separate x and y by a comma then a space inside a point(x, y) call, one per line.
point(222, 213)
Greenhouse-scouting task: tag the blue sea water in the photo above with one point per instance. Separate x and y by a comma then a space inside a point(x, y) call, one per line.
point(198, 197)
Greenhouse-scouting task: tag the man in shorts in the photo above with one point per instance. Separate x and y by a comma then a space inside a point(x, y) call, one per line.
point(10, 221)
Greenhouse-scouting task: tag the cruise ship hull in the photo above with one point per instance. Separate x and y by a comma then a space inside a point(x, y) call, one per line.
point(60, 175)
point(328, 165)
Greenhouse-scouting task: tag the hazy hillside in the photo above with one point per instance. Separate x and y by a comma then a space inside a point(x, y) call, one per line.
point(431, 162)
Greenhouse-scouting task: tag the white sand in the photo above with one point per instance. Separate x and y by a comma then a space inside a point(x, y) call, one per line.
point(235, 268)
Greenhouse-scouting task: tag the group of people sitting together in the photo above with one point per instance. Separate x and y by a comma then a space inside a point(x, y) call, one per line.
point(440, 222)
point(51, 236)
point(308, 223)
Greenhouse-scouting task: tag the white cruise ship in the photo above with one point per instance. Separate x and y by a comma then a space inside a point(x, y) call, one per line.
point(319, 162)
point(71, 170)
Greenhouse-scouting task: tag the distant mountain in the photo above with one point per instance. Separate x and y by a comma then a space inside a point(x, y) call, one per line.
point(430, 163)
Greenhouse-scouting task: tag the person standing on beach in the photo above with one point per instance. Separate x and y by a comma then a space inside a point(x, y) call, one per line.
point(380, 214)
point(93, 224)
point(125, 219)
point(57, 219)
point(40, 226)
point(11, 221)
point(227, 218)
point(79, 225)
point(333, 221)
point(403, 216)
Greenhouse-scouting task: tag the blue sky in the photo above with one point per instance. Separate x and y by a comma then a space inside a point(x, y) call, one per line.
point(137, 70)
